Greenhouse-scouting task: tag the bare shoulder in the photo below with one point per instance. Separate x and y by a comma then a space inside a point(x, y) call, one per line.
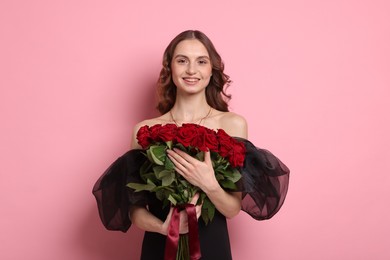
point(234, 124)
point(149, 122)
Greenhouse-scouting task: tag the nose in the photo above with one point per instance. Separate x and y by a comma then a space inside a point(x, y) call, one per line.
point(191, 68)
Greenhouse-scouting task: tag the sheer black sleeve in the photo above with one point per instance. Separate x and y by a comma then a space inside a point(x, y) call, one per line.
point(112, 195)
point(264, 182)
point(264, 185)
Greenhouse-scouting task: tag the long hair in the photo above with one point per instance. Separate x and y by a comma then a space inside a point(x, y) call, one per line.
point(215, 94)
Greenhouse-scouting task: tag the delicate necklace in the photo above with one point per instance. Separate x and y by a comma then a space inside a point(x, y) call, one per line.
point(196, 122)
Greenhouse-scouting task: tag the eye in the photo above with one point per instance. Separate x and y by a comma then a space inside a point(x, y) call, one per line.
point(203, 62)
point(181, 61)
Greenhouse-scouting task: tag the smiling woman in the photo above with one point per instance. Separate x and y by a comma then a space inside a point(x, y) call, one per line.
point(198, 162)
point(219, 81)
point(191, 73)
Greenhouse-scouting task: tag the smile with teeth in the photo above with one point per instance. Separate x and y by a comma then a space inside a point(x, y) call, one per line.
point(191, 80)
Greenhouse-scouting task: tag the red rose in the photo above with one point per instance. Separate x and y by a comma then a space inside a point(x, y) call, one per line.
point(186, 133)
point(143, 136)
point(154, 132)
point(167, 132)
point(225, 143)
point(231, 149)
point(237, 155)
point(211, 140)
point(199, 138)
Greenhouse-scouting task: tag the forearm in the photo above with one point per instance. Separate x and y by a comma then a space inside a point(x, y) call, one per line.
point(145, 220)
point(229, 204)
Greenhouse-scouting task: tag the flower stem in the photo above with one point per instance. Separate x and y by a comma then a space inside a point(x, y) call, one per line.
point(183, 252)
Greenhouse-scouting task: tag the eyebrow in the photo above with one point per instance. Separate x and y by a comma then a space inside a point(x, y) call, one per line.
point(184, 56)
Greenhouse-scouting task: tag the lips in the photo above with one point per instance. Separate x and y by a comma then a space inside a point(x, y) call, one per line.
point(190, 80)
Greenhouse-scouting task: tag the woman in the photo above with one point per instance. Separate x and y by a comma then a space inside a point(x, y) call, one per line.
point(191, 90)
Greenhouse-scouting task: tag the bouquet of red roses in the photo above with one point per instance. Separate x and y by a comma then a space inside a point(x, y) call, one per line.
point(158, 173)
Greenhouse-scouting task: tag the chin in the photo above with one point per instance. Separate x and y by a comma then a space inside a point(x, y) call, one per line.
point(193, 90)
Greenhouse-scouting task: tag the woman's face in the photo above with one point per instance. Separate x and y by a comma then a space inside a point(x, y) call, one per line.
point(191, 67)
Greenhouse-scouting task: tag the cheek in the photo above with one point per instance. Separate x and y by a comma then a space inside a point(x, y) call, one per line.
point(206, 79)
point(173, 70)
point(207, 73)
point(175, 75)
point(176, 71)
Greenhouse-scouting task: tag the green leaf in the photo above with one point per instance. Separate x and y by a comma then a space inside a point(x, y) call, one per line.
point(205, 216)
point(219, 177)
point(169, 164)
point(163, 194)
point(176, 196)
point(183, 182)
point(234, 176)
point(166, 203)
point(157, 171)
point(228, 184)
point(168, 178)
point(185, 196)
point(141, 187)
point(202, 197)
point(149, 155)
point(149, 176)
point(157, 154)
point(172, 199)
point(225, 170)
point(208, 210)
point(181, 147)
point(169, 144)
point(145, 167)
point(161, 173)
point(200, 156)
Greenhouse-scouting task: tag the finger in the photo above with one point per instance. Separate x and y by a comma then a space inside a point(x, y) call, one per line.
point(178, 158)
point(183, 226)
point(183, 217)
point(199, 210)
point(194, 199)
point(185, 156)
point(179, 167)
point(207, 157)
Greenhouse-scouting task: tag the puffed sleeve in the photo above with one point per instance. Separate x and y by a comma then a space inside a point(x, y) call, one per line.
point(112, 195)
point(264, 182)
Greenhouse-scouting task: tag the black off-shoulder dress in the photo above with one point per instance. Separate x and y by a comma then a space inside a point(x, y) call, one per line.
point(264, 186)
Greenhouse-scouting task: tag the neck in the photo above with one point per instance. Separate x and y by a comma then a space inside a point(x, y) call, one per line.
point(190, 110)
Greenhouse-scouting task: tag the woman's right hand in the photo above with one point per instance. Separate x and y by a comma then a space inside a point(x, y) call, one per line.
point(183, 226)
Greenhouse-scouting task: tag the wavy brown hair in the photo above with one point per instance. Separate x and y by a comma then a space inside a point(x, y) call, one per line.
point(215, 94)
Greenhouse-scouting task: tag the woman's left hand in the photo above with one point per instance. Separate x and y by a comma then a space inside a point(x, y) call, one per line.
point(198, 173)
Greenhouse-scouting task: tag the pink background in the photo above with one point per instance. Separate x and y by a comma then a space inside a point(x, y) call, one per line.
point(311, 77)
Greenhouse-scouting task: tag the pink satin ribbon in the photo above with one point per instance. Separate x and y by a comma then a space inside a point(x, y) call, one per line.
point(172, 241)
